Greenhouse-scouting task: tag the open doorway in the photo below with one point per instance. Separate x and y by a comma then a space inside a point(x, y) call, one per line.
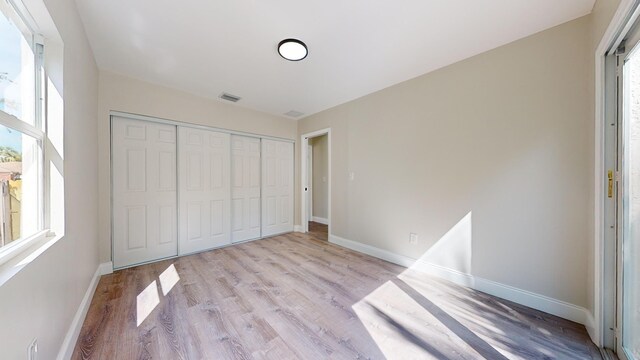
point(316, 183)
point(318, 189)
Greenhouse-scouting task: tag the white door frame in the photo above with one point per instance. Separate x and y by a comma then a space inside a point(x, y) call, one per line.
point(310, 183)
point(615, 31)
point(304, 140)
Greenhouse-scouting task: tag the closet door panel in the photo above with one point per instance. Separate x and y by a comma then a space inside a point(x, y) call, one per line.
point(277, 187)
point(144, 191)
point(245, 189)
point(204, 193)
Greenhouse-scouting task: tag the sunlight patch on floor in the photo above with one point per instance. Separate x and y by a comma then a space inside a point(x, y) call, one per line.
point(402, 328)
point(168, 279)
point(146, 301)
point(482, 318)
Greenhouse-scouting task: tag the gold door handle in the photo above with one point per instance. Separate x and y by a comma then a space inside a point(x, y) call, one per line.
point(610, 187)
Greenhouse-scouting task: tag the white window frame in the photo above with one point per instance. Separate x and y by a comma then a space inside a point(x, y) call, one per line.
point(36, 131)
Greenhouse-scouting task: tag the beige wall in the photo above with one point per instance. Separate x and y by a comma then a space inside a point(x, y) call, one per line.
point(120, 93)
point(498, 146)
point(41, 300)
point(320, 175)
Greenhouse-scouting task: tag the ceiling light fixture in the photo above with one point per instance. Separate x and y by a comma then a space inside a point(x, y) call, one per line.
point(292, 49)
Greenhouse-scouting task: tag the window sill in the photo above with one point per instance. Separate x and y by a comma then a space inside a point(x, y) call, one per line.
point(16, 258)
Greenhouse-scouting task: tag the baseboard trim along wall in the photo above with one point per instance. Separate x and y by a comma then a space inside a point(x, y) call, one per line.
point(590, 324)
point(69, 343)
point(373, 251)
point(527, 298)
point(298, 229)
point(106, 268)
point(320, 220)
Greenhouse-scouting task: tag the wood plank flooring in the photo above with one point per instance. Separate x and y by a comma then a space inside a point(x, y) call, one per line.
point(298, 297)
point(319, 231)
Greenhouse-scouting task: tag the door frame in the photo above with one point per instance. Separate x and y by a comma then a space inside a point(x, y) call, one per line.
point(605, 260)
point(310, 183)
point(304, 171)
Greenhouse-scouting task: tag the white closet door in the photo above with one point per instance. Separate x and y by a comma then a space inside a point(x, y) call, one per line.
point(245, 188)
point(144, 191)
point(277, 187)
point(204, 190)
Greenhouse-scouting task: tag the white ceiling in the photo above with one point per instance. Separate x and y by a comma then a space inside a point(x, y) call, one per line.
point(356, 47)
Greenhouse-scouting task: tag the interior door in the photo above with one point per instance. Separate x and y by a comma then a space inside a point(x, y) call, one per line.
point(277, 187)
point(144, 191)
point(204, 189)
point(245, 188)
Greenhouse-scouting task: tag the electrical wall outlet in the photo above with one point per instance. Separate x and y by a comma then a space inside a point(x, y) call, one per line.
point(32, 350)
point(413, 238)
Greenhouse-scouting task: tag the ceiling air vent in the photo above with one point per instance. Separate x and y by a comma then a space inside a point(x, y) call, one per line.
point(294, 113)
point(229, 97)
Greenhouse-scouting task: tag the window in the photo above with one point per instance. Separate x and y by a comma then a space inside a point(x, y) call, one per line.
point(22, 100)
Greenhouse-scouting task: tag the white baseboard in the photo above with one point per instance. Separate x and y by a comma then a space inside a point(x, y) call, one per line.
point(373, 251)
point(537, 301)
point(445, 273)
point(106, 268)
point(69, 342)
point(523, 297)
point(592, 329)
point(527, 298)
point(320, 220)
point(298, 228)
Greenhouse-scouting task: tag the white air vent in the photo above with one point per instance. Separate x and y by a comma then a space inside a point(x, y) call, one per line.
point(229, 97)
point(294, 113)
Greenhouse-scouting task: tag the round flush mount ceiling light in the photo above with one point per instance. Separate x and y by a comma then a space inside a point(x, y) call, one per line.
point(292, 49)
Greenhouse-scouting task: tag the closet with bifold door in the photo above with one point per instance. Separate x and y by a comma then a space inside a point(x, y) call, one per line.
point(180, 189)
point(203, 191)
point(277, 187)
point(245, 188)
point(143, 181)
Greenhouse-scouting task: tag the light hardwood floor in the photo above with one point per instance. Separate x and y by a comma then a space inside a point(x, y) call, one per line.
point(297, 297)
point(319, 231)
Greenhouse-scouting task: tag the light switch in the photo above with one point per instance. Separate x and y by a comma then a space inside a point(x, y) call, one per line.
point(352, 176)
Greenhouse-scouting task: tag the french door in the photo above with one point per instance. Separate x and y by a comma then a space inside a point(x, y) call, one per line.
point(628, 234)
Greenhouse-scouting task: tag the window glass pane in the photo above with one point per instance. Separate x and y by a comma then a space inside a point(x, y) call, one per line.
point(17, 69)
point(631, 201)
point(20, 172)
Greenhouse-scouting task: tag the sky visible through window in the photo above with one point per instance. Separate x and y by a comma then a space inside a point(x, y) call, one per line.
point(10, 138)
point(10, 67)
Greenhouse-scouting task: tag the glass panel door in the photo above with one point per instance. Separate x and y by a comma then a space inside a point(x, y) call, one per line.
point(629, 243)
